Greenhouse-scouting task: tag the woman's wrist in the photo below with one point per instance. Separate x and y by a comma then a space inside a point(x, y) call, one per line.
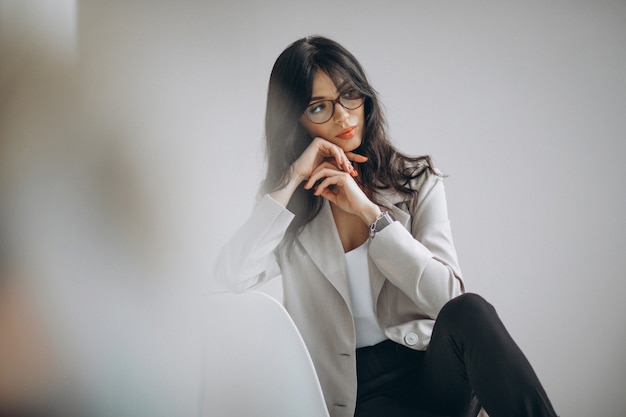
point(370, 214)
point(283, 195)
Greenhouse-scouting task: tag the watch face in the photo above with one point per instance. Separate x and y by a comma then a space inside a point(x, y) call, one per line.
point(383, 222)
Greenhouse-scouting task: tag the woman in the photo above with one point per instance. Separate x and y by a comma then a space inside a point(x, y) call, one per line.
point(361, 236)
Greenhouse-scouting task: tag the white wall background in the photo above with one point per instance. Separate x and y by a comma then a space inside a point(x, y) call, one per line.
point(523, 105)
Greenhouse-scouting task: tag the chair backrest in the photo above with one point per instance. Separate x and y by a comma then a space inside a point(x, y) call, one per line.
point(257, 363)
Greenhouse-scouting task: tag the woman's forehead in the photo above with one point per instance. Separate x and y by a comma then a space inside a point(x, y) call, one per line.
point(325, 86)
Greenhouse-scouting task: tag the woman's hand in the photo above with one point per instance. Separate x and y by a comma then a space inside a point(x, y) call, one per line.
point(319, 151)
point(341, 189)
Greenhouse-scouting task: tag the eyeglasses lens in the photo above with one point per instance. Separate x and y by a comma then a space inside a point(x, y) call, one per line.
point(322, 111)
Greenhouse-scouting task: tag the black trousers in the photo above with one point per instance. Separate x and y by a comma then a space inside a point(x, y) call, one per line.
point(470, 352)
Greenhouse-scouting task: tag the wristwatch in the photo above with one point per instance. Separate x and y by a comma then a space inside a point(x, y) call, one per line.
point(383, 220)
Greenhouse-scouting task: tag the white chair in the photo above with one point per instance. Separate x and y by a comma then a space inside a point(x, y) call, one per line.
point(256, 362)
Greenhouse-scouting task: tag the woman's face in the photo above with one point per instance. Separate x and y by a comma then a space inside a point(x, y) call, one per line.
point(345, 127)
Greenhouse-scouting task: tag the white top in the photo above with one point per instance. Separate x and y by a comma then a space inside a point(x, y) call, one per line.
point(368, 332)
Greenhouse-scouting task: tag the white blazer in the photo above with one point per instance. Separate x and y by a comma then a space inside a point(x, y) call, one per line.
point(413, 272)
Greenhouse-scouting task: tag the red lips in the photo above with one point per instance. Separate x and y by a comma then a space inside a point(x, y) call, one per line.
point(347, 133)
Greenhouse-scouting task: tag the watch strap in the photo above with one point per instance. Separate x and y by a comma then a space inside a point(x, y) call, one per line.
point(383, 220)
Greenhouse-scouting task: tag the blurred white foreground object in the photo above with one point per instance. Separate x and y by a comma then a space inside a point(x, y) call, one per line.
point(257, 363)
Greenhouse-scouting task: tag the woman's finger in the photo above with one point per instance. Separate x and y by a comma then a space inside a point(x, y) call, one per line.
point(334, 151)
point(355, 157)
point(345, 164)
point(329, 195)
point(338, 180)
point(329, 165)
point(324, 170)
point(341, 189)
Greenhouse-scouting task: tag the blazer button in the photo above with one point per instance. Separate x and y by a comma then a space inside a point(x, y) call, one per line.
point(410, 339)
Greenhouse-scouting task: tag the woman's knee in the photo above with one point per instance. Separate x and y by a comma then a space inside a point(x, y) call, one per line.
point(466, 306)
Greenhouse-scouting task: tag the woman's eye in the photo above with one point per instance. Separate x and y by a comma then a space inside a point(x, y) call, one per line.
point(316, 108)
point(352, 94)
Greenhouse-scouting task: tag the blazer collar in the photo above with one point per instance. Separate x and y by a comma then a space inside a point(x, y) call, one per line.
point(320, 240)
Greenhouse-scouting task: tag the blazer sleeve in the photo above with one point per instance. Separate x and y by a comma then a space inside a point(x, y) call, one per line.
point(422, 263)
point(249, 257)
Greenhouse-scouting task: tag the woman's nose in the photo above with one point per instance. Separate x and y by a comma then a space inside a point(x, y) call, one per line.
point(341, 113)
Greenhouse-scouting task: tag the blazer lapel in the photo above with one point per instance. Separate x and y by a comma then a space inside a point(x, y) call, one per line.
point(320, 240)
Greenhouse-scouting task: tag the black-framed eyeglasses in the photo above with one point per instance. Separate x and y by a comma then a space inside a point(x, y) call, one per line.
point(322, 111)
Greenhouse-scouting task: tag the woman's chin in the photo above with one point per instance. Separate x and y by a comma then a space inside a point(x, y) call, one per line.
point(348, 145)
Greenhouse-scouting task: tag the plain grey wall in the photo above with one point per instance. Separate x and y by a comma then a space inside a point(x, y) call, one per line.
point(522, 105)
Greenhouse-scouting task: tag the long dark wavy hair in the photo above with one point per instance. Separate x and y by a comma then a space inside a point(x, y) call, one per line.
point(289, 93)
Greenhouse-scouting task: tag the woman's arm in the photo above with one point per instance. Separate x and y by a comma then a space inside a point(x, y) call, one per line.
point(422, 263)
point(248, 260)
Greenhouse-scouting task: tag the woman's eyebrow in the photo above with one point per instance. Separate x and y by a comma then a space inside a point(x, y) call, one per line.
point(341, 89)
